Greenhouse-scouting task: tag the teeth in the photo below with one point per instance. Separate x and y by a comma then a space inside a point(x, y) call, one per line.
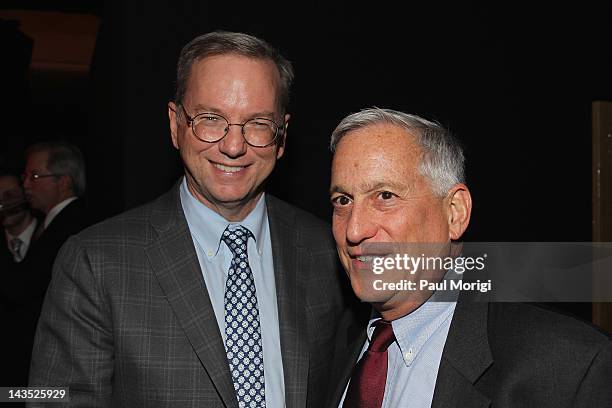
point(367, 258)
point(228, 169)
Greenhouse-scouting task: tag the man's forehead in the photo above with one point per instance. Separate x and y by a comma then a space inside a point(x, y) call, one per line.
point(384, 144)
point(219, 79)
point(9, 182)
point(37, 158)
point(228, 65)
point(384, 130)
point(383, 140)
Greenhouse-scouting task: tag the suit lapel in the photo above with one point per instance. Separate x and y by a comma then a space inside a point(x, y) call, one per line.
point(465, 358)
point(350, 339)
point(174, 261)
point(289, 259)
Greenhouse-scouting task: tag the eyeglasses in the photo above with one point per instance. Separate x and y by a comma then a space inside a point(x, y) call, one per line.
point(211, 127)
point(36, 176)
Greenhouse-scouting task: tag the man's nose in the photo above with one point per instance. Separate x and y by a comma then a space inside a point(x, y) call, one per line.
point(361, 225)
point(233, 144)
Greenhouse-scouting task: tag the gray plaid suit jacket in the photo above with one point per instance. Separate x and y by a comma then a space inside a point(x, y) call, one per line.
point(127, 320)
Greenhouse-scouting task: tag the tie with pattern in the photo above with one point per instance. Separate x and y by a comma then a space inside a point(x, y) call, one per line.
point(367, 386)
point(16, 244)
point(243, 335)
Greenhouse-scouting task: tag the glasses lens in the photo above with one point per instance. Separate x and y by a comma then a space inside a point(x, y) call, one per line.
point(260, 132)
point(209, 127)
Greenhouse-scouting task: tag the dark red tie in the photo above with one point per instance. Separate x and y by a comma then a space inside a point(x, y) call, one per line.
point(367, 386)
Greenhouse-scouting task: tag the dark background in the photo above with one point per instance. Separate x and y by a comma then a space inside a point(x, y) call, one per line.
point(514, 81)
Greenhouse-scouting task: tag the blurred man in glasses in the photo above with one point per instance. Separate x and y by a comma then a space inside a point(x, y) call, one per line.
point(54, 180)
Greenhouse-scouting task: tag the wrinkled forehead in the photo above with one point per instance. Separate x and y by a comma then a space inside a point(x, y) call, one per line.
point(382, 143)
point(8, 182)
point(37, 160)
point(9, 187)
point(375, 157)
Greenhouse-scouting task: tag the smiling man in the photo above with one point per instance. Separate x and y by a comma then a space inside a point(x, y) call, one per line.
point(398, 182)
point(216, 294)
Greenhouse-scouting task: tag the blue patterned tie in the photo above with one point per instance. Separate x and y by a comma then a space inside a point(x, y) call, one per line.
point(243, 335)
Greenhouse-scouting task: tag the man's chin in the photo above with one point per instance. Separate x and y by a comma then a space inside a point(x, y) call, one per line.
point(366, 290)
point(237, 200)
point(35, 206)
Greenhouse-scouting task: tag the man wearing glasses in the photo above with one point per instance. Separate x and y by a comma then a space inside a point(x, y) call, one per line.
point(54, 181)
point(216, 294)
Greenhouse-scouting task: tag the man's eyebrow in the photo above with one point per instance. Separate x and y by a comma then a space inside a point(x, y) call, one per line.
point(262, 114)
point(383, 185)
point(199, 108)
point(372, 186)
point(336, 189)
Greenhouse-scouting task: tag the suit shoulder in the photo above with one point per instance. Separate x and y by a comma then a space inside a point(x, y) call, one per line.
point(295, 214)
point(539, 325)
point(131, 222)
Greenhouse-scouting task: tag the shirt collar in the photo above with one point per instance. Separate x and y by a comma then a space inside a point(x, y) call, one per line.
point(207, 225)
point(414, 330)
point(26, 234)
point(56, 210)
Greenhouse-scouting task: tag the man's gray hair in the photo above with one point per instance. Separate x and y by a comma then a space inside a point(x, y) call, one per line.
point(63, 159)
point(442, 161)
point(224, 42)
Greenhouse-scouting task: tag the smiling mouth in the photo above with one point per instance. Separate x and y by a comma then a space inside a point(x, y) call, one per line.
point(228, 169)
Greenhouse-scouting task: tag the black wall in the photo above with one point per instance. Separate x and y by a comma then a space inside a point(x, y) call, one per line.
point(515, 82)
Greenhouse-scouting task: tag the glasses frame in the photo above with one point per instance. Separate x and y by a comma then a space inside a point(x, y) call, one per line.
point(191, 122)
point(36, 176)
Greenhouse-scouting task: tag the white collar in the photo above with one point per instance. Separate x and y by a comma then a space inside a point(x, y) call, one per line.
point(56, 210)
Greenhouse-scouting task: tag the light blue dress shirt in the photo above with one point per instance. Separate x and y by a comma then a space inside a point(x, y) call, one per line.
point(414, 358)
point(206, 227)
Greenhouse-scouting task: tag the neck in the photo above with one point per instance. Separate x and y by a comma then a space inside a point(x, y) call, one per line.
point(21, 226)
point(62, 198)
point(238, 212)
point(401, 305)
point(233, 212)
point(395, 313)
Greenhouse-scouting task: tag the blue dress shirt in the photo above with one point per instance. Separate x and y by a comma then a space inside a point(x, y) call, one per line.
point(206, 227)
point(414, 358)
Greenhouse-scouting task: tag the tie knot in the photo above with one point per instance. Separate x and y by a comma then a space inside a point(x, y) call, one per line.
point(16, 244)
point(382, 337)
point(236, 239)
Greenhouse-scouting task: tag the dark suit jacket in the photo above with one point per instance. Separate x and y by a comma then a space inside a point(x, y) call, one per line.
point(29, 278)
point(23, 286)
point(128, 322)
point(35, 269)
point(503, 355)
point(13, 353)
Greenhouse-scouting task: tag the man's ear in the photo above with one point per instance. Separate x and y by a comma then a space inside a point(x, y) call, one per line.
point(173, 116)
point(459, 208)
point(65, 183)
point(281, 145)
